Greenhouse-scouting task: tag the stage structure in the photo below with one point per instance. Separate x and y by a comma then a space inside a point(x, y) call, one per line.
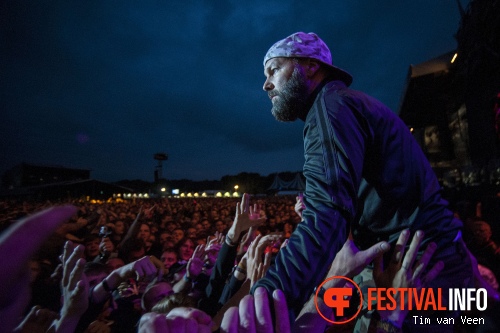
point(452, 103)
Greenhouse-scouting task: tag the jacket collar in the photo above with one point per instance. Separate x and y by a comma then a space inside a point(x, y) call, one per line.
point(314, 94)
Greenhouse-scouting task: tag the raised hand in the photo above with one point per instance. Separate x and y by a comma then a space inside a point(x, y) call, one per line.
point(74, 286)
point(195, 264)
point(245, 218)
point(212, 249)
point(299, 205)
point(256, 262)
point(403, 272)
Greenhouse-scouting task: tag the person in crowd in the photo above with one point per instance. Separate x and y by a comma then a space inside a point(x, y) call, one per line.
point(364, 171)
point(185, 248)
point(207, 227)
point(220, 227)
point(114, 263)
point(217, 293)
point(178, 234)
point(118, 283)
point(92, 250)
point(191, 232)
point(119, 228)
point(163, 237)
point(144, 231)
point(132, 249)
point(484, 248)
point(156, 291)
point(168, 258)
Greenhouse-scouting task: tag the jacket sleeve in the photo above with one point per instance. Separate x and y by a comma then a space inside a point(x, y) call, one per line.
point(334, 142)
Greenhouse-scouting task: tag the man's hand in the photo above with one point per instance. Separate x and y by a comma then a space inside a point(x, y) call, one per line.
point(350, 261)
point(254, 314)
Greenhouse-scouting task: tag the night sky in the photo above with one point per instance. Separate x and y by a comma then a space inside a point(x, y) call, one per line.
point(104, 85)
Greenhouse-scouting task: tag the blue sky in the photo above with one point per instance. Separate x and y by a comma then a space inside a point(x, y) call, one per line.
point(104, 85)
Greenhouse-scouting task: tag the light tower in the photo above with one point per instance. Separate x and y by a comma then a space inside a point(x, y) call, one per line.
point(160, 157)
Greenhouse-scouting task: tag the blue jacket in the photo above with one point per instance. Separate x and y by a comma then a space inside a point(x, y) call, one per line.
point(365, 173)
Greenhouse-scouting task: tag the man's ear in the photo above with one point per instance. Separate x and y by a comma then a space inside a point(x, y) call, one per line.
point(312, 67)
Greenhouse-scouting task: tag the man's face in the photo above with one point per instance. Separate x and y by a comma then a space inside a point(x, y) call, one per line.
point(186, 250)
point(219, 226)
point(287, 88)
point(144, 232)
point(178, 234)
point(191, 232)
point(114, 263)
point(92, 248)
point(206, 224)
point(168, 259)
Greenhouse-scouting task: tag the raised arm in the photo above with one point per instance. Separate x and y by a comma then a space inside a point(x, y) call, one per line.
point(133, 230)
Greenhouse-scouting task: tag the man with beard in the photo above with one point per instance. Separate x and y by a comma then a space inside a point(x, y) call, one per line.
point(365, 174)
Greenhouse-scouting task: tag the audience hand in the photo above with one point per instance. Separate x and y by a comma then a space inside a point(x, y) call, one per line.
point(254, 314)
point(299, 205)
point(38, 320)
point(212, 249)
point(106, 246)
point(74, 286)
point(246, 240)
point(195, 264)
point(404, 272)
point(245, 218)
point(177, 320)
point(147, 267)
point(256, 266)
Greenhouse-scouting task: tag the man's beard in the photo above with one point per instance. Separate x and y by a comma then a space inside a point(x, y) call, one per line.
point(292, 99)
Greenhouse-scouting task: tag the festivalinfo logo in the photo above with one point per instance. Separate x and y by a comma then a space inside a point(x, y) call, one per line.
point(343, 300)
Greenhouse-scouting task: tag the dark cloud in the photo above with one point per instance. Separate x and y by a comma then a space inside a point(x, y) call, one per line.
point(105, 85)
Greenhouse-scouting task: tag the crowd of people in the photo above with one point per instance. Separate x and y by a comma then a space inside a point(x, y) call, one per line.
point(156, 265)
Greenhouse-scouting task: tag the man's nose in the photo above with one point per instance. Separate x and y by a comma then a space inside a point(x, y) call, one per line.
point(268, 85)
